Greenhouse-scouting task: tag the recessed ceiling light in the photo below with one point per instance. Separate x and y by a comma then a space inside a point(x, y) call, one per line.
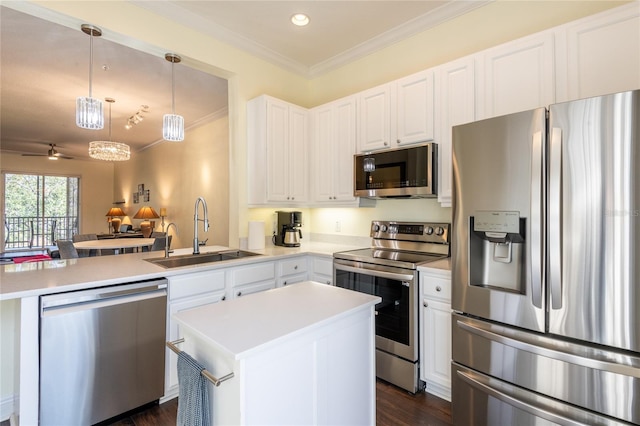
point(300, 19)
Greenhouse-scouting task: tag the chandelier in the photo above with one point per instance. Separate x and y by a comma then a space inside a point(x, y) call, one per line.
point(108, 150)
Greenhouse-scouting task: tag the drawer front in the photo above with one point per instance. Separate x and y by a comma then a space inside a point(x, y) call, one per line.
point(197, 283)
point(253, 273)
point(435, 287)
point(293, 266)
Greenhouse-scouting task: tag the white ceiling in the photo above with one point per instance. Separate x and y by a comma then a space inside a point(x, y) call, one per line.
point(45, 66)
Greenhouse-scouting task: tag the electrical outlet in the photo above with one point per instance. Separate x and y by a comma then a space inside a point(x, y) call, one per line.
point(338, 226)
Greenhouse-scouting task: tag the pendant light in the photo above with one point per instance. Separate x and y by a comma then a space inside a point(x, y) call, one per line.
point(89, 113)
point(108, 150)
point(173, 124)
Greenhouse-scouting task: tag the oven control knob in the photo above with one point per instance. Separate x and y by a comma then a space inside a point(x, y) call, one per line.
point(376, 228)
point(439, 230)
point(428, 230)
point(383, 228)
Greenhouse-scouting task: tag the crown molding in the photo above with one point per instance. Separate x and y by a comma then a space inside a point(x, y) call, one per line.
point(174, 12)
point(417, 25)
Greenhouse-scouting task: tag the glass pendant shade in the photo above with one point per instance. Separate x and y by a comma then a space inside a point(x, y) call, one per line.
point(89, 113)
point(109, 151)
point(173, 128)
point(173, 124)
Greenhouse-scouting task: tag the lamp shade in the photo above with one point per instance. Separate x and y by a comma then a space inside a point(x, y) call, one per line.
point(115, 211)
point(163, 211)
point(146, 213)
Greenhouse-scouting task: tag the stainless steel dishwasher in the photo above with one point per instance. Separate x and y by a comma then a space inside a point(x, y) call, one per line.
point(101, 351)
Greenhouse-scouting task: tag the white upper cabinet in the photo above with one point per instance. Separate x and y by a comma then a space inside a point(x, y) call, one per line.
point(455, 104)
point(333, 146)
point(396, 113)
point(277, 152)
point(375, 118)
point(415, 108)
point(599, 54)
point(516, 76)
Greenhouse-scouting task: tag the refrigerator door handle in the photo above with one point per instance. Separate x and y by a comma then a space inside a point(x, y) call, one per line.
point(555, 218)
point(514, 400)
point(536, 224)
point(573, 354)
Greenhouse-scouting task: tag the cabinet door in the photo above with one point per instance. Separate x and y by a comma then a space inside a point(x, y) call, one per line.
point(415, 108)
point(602, 54)
point(436, 357)
point(516, 76)
point(344, 149)
point(374, 112)
point(455, 104)
point(277, 150)
point(298, 163)
point(323, 153)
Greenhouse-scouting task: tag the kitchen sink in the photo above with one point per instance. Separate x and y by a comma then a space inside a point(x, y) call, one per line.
point(196, 259)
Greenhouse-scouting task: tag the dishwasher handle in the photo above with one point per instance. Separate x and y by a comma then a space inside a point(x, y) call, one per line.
point(103, 296)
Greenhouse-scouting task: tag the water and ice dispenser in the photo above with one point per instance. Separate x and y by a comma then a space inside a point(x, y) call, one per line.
point(497, 245)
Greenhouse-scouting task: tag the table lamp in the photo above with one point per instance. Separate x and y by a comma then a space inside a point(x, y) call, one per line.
point(146, 213)
point(115, 213)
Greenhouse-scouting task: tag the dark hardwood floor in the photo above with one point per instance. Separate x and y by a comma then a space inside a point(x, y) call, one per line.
point(394, 406)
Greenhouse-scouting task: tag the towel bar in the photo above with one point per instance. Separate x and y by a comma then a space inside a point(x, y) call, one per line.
point(216, 382)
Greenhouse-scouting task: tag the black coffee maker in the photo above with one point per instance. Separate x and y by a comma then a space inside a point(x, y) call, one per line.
point(289, 233)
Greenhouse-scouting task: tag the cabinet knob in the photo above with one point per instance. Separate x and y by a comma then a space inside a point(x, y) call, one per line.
point(425, 304)
point(284, 283)
point(224, 298)
point(386, 144)
point(295, 267)
point(239, 294)
point(328, 282)
point(293, 198)
point(438, 288)
point(398, 141)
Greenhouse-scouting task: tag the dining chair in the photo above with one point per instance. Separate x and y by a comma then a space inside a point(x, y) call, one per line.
point(159, 242)
point(85, 237)
point(67, 250)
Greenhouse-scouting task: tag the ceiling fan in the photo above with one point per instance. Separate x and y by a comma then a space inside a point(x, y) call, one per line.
point(52, 154)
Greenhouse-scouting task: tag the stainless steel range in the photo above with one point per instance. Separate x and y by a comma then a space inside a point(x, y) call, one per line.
point(388, 269)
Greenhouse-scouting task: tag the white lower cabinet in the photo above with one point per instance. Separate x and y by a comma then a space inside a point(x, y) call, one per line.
point(291, 271)
point(186, 292)
point(251, 278)
point(435, 323)
point(321, 269)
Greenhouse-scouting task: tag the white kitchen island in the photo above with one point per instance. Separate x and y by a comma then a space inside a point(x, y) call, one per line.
point(302, 354)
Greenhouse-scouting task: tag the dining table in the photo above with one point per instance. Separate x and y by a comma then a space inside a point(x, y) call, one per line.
point(116, 244)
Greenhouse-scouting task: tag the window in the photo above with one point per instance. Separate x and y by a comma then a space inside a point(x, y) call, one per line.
point(39, 209)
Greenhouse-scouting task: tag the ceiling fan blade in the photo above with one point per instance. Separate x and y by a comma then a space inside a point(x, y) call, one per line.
point(35, 155)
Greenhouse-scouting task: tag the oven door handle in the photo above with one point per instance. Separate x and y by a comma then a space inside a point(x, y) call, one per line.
point(376, 273)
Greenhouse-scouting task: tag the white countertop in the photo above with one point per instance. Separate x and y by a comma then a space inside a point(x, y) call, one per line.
point(54, 276)
point(440, 265)
point(255, 322)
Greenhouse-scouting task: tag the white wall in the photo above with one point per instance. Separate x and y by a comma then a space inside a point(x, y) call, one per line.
point(178, 173)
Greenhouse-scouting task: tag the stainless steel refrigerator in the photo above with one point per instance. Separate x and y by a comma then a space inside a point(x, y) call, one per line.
point(546, 265)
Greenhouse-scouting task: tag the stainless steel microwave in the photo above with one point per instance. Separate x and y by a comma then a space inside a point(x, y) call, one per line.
point(410, 172)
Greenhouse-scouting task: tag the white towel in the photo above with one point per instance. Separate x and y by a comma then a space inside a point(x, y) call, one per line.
point(193, 388)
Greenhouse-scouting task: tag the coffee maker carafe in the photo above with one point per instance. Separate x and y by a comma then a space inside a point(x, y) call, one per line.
point(288, 230)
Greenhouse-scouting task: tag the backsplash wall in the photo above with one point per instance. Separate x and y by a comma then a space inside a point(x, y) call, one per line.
point(344, 222)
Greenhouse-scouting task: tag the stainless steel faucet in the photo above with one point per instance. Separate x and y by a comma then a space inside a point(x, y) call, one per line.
point(196, 242)
point(166, 239)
